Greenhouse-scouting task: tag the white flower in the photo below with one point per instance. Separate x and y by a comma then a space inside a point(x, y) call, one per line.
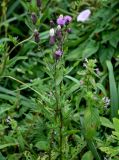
point(84, 15)
point(52, 32)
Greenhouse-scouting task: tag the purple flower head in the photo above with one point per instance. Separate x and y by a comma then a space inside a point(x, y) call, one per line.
point(58, 53)
point(84, 15)
point(67, 19)
point(61, 20)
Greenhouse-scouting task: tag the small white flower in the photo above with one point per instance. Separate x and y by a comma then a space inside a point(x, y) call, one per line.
point(52, 32)
point(106, 101)
point(84, 15)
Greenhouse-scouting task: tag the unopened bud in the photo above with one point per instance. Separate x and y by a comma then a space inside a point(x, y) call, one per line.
point(52, 23)
point(34, 18)
point(38, 3)
point(36, 36)
point(59, 32)
point(52, 40)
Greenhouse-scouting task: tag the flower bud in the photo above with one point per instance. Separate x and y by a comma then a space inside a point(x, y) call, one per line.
point(36, 36)
point(52, 23)
point(34, 18)
point(59, 32)
point(38, 3)
point(52, 40)
point(52, 36)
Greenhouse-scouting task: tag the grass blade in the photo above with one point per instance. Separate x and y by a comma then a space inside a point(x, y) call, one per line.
point(113, 91)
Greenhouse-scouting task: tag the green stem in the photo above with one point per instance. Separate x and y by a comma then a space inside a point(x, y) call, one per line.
point(51, 141)
point(61, 125)
point(56, 92)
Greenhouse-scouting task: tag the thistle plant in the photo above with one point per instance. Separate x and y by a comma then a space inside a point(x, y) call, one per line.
point(55, 98)
point(56, 39)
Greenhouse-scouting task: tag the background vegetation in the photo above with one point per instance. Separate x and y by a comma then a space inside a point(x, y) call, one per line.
point(65, 109)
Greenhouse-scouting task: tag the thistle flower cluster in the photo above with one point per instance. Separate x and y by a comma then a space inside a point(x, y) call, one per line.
point(57, 35)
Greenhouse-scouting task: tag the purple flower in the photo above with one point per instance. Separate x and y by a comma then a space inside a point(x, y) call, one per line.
point(61, 20)
point(67, 19)
point(84, 15)
point(58, 53)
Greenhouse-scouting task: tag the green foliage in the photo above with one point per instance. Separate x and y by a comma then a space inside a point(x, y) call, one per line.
point(59, 109)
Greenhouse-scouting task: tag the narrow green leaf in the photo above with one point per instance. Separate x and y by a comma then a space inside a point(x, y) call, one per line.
point(8, 145)
point(73, 79)
point(113, 90)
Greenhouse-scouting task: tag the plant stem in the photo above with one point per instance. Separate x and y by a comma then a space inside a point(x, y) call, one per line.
point(51, 141)
point(61, 125)
point(56, 92)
